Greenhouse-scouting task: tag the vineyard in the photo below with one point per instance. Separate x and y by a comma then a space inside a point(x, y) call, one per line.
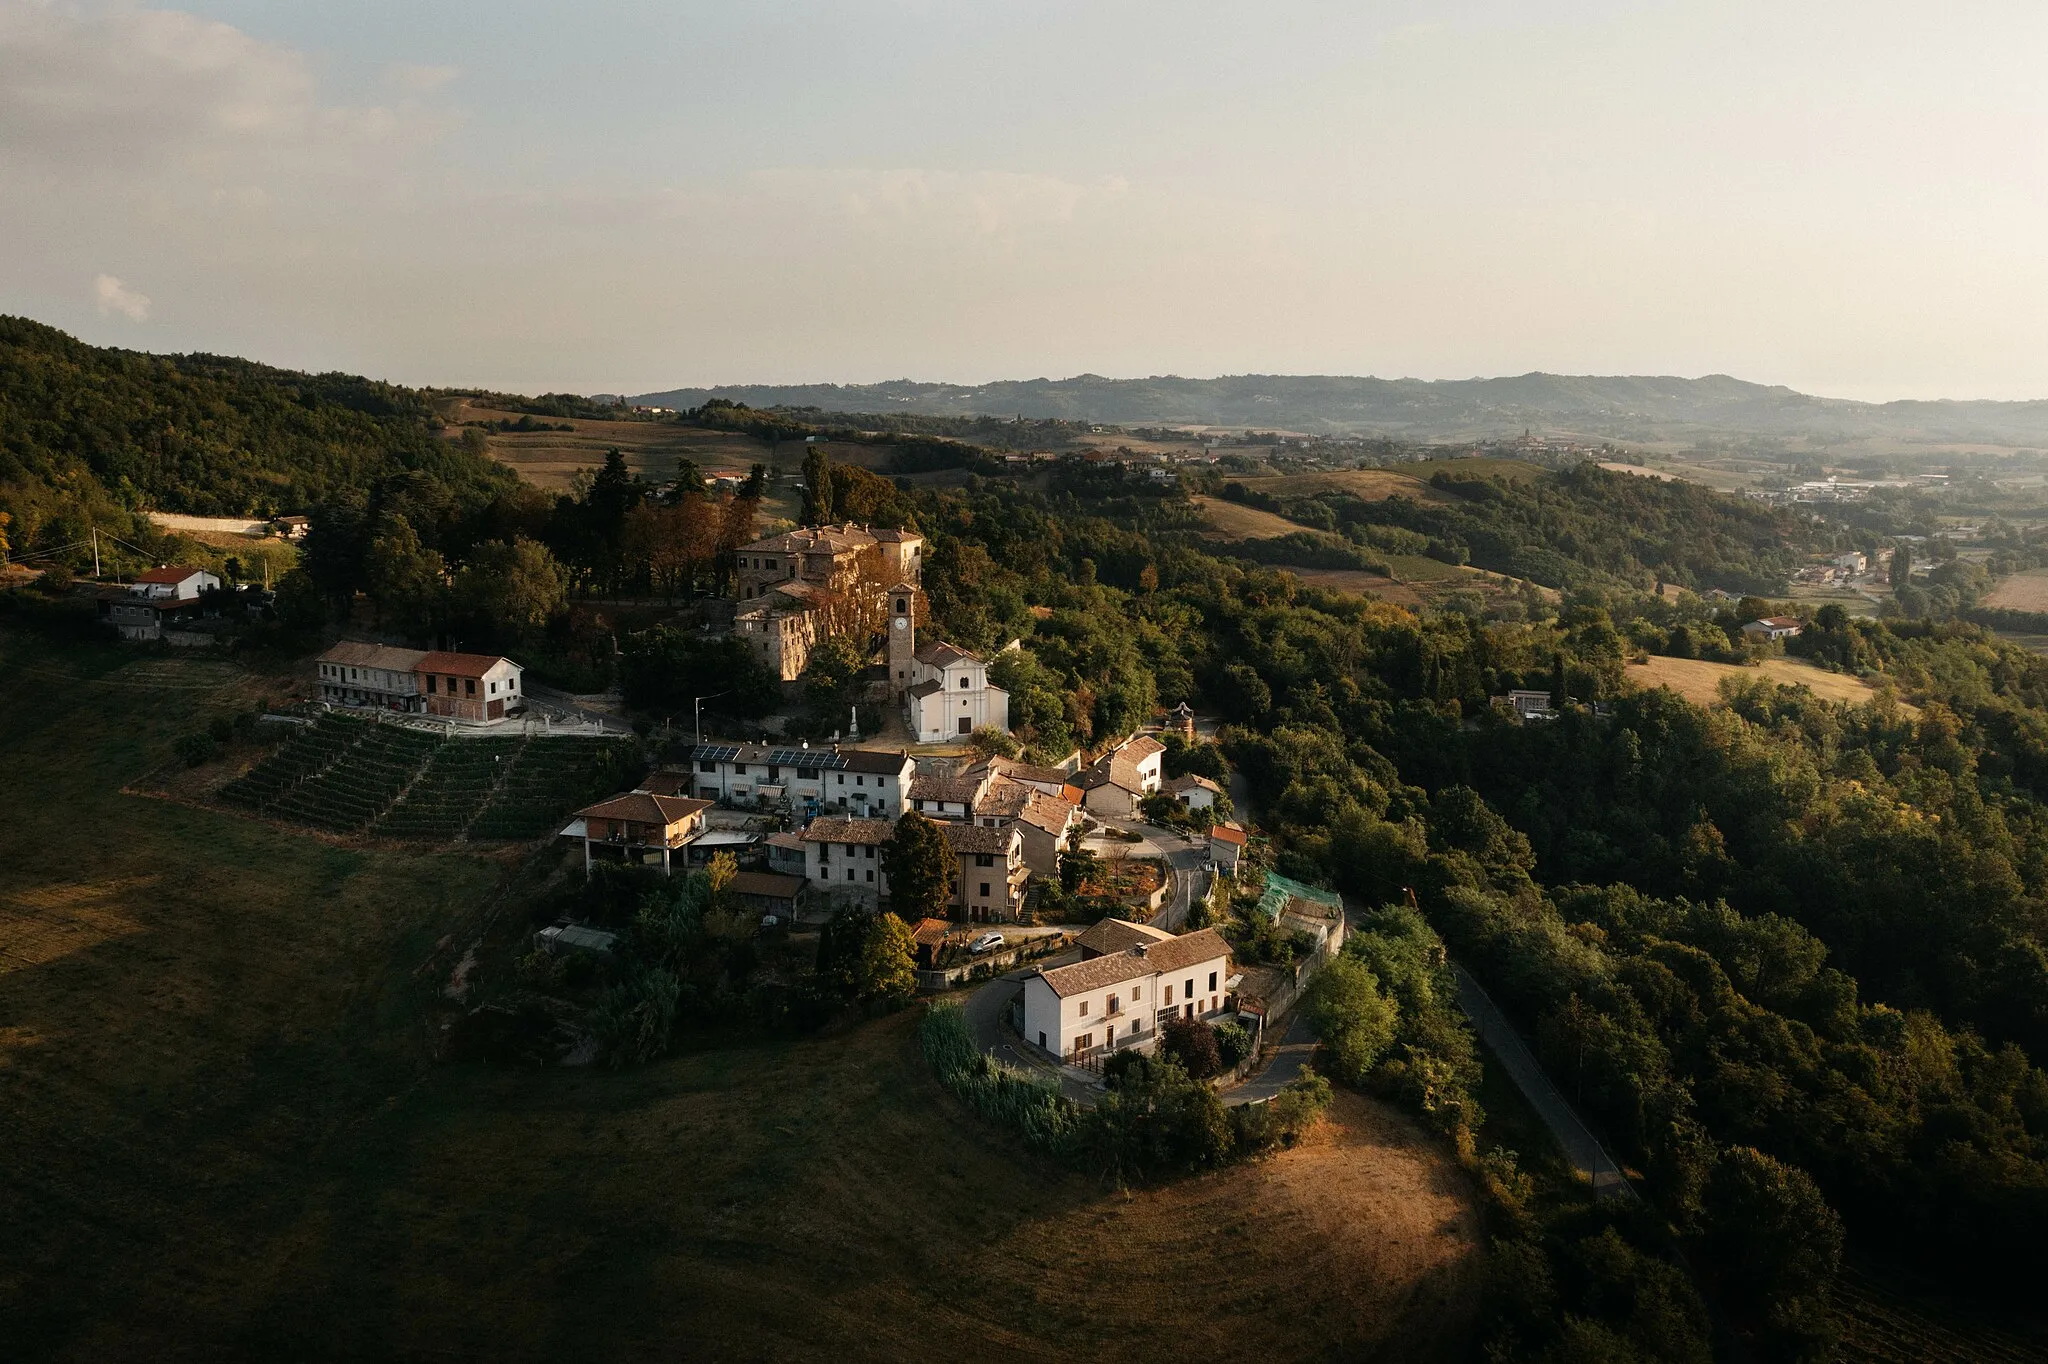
point(346, 775)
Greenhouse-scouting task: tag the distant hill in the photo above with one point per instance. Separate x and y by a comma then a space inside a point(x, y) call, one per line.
point(1621, 408)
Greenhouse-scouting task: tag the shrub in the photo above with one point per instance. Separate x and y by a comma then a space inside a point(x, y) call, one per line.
point(1233, 1044)
point(1033, 1108)
point(1192, 1043)
point(1354, 1020)
point(196, 748)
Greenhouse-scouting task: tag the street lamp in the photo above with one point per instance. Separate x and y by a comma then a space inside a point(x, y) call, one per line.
point(697, 708)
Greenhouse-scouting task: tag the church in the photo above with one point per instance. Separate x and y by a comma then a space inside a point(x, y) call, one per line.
point(945, 689)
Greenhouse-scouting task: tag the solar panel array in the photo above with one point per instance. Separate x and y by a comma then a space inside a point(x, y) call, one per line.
point(806, 757)
point(723, 754)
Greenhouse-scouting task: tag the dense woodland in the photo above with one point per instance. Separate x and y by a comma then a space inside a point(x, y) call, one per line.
point(1791, 956)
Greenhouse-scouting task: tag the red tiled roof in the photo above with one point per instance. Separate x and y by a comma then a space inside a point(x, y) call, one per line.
point(1229, 833)
point(461, 665)
point(644, 808)
point(171, 574)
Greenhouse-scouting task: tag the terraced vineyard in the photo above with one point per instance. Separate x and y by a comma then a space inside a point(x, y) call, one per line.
point(347, 775)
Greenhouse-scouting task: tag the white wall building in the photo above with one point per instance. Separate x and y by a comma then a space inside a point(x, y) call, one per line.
point(843, 859)
point(862, 782)
point(950, 696)
point(1120, 778)
point(1122, 998)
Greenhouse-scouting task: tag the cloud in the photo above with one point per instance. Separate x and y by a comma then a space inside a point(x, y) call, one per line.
point(419, 80)
point(116, 297)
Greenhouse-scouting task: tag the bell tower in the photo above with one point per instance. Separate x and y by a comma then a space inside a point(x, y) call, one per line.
point(902, 637)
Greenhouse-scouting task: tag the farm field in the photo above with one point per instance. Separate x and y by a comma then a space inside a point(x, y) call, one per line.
point(1699, 681)
point(1235, 521)
point(227, 1138)
point(2023, 591)
point(1371, 485)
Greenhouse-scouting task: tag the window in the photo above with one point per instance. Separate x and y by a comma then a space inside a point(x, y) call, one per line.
point(849, 873)
point(773, 772)
point(739, 769)
point(1115, 1003)
point(708, 767)
point(494, 689)
point(842, 779)
point(1169, 995)
point(869, 852)
point(824, 873)
point(1212, 980)
point(964, 684)
point(984, 890)
point(1084, 1008)
point(984, 860)
point(431, 680)
point(1187, 990)
point(871, 873)
point(902, 607)
point(469, 686)
point(860, 781)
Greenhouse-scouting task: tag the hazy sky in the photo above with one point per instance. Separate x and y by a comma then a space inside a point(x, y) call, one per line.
point(1850, 198)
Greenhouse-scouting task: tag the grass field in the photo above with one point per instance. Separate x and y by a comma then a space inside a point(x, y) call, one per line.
point(1235, 521)
point(2023, 591)
point(226, 1137)
point(1371, 485)
point(1699, 681)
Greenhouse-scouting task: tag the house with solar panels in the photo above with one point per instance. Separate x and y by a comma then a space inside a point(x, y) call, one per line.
point(857, 783)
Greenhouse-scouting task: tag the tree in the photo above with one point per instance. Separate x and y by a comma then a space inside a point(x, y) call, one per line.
point(406, 580)
point(919, 863)
point(888, 961)
point(511, 590)
point(817, 508)
point(1778, 1245)
point(832, 673)
point(1192, 1043)
point(1902, 567)
point(1354, 1020)
point(334, 550)
point(990, 742)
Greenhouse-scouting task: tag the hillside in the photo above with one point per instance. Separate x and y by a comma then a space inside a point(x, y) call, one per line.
point(111, 432)
point(1618, 407)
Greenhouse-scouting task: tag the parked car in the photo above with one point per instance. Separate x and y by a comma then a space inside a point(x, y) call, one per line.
point(987, 942)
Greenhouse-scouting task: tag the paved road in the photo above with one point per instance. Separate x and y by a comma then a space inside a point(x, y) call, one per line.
point(1184, 862)
point(1290, 1061)
point(984, 1010)
point(1580, 1146)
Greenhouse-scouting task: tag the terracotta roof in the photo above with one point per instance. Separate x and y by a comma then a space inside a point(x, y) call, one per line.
point(351, 654)
point(1118, 935)
point(957, 790)
point(888, 761)
point(1140, 748)
point(172, 574)
point(792, 841)
point(835, 830)
point(1177, 954)
point(1049, 813)
point(972, 838)
point(940, 655)
point(1229, 833)
point(1193, 781)
point(1096, 972)
point(931, 932)
point(891, 537)
point(771, 885)
point(644, 807)
point(819, 539)
point(1005, 799)
point(1780, 622)
point(666, 783)
point(462, 665)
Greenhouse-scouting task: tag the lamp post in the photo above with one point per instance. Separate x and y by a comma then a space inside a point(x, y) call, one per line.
point(697, 708)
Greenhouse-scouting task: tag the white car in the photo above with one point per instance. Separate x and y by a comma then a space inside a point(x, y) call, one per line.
point(987, 942)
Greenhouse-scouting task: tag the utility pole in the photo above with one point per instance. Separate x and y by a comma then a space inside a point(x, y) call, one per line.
point(95, 552)
point(697, 706)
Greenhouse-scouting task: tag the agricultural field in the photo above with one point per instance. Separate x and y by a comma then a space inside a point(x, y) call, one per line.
point(1418, 581)
point(1699, 681)
point(1370, 485)
point(1235, 521)
point(229, 1137)
point(2023, 591)
point(347, 775)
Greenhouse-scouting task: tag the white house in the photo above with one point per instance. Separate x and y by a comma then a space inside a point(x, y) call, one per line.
point(950, 696)
point(1773, 628)
point(1121, 998)
point(1193, 790)
point(843, 858)
point(1122, 777)
point(1226, 846)
point(936, 796)
point(862, 782)
point(379, 675)
point(174, 584)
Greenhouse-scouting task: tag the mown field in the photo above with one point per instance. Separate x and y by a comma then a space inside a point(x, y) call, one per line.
point(1699, 681)
point(2023, 591)
point(227, 1138)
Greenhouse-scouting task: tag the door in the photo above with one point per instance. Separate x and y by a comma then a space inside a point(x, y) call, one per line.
point(497, 710)
point(966, 725)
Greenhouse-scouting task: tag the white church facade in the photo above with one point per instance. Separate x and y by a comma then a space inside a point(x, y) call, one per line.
point(945, 689)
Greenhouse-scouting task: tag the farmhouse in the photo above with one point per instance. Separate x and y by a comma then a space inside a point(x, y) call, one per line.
point(1124, 994)
point(479, 688)
point(1120, 778)
point(155, 600)
point(638, 828)
point(1773, 628)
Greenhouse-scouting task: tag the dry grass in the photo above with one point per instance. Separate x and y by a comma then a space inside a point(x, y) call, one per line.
point(2023, 591)
point(1369, 485)
point(1235, 521)
point(226, 1139)
point(1699, 681)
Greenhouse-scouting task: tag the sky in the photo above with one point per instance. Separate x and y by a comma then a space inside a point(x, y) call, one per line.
point(1848, 198)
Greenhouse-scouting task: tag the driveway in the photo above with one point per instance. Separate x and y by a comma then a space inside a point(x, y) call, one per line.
point(1184, 862)
point(1290, 1061)
point(984, 1010)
